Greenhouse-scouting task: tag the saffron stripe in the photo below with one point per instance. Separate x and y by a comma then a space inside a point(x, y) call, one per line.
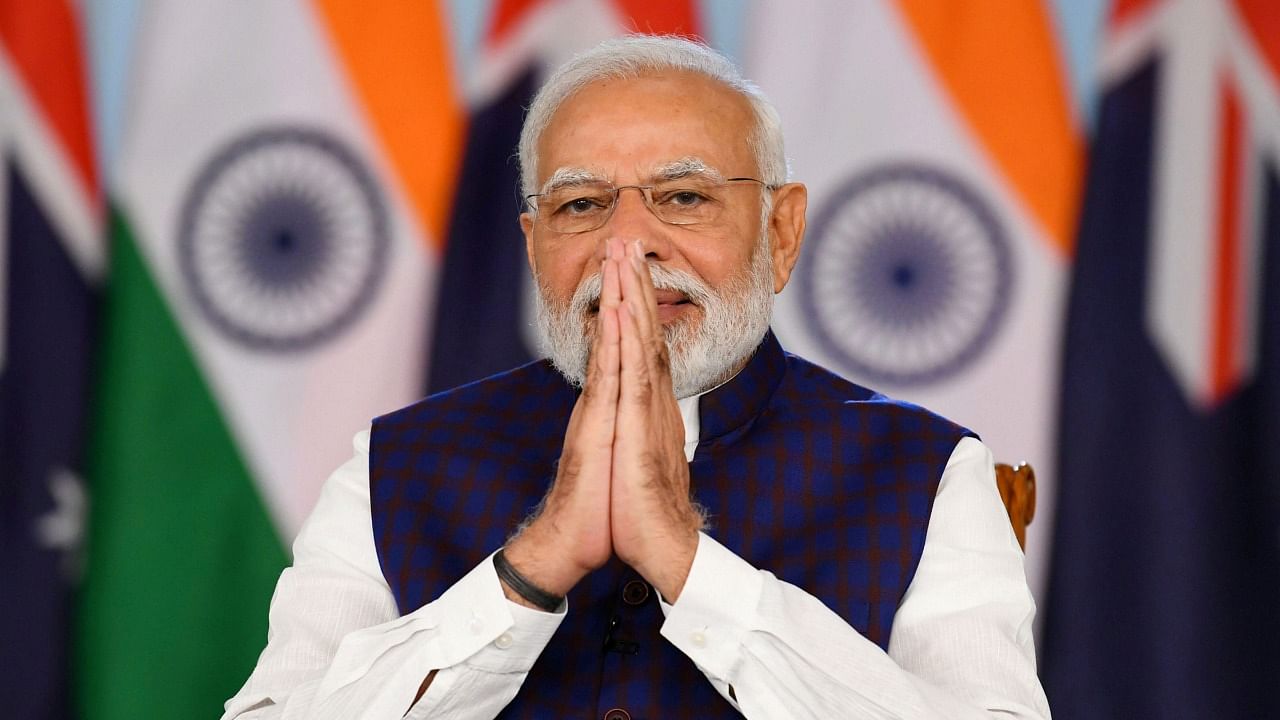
point(397, 56)
point(999, 64)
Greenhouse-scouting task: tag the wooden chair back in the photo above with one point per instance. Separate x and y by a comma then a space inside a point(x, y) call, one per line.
point(1017, 485)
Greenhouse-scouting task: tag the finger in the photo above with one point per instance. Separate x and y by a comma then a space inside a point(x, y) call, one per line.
point(592, 423)
point(634, 378)
point(646, 286)
point(611, 289)
point(610, 344)
point(640, 296)
point(636, 335)
point(610, 352)
point(608, 365)
point(601, 385)
point(606, 321)
point(633, 276)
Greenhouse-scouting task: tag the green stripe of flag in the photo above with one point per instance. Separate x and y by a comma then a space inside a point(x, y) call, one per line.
point(182, 555)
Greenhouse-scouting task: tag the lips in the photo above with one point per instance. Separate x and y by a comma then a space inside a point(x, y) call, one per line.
point(671, 297)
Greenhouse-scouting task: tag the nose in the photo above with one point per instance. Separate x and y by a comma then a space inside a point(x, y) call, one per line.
point(633, 220)
point(630, 209)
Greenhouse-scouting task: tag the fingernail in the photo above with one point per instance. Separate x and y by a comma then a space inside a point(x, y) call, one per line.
point(608, 250)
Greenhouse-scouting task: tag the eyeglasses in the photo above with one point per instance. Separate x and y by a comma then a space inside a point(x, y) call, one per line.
point(579, 208)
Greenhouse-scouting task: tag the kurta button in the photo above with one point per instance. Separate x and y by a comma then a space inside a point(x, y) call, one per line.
point(635, 592)
point(698, 639)
point(617, 714)
point(504, 641)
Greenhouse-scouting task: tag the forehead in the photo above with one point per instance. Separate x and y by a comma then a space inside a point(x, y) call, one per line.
point(625, 129)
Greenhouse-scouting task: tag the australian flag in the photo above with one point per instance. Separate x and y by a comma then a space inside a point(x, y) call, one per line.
point(1164, 598)
point(50, 262)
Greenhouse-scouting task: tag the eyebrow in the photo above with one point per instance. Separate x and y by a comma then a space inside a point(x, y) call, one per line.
point(569, 177)
point(674, 170)
point(685, 167)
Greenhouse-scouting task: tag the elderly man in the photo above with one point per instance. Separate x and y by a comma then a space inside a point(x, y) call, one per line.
point(671, 517)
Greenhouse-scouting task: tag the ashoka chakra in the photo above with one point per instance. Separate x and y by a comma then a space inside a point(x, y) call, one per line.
point(283, 238)
point(909, 274)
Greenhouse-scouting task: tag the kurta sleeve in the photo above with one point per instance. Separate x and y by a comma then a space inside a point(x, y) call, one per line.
point(961, 644)
point(337, 646)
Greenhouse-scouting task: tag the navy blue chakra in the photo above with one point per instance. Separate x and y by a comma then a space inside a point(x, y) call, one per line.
point(283, 238)
point(908, 275)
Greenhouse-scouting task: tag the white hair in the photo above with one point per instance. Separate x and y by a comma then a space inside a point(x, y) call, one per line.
point(640, 55)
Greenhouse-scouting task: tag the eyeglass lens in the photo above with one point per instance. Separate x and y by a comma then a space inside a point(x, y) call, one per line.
point(580, 208)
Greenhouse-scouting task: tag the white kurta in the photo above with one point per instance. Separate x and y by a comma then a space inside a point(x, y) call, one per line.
point(961, 644)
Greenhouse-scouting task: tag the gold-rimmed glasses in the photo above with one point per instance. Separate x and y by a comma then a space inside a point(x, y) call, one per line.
point(583, 207)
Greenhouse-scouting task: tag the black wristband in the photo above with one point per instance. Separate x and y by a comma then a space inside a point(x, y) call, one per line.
point(522, 586)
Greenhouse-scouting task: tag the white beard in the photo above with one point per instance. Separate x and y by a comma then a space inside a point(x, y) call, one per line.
point(703, 352)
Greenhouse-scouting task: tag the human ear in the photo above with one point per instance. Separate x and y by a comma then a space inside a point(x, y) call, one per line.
point(786, 230)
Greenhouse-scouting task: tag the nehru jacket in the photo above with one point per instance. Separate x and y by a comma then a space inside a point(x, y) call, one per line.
point(825, 483)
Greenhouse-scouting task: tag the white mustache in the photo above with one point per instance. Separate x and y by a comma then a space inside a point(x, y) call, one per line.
point(704, 348)
point(587, 296)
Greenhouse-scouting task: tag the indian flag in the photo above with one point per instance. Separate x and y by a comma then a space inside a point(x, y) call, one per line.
point(281, 190)
point(943, 164)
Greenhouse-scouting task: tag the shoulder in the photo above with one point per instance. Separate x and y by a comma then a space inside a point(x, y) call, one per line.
point(512, 399)
point(819, 390)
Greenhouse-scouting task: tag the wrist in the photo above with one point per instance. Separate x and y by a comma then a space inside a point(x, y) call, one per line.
point(668, 568)
point(539, 560)
point(520, 589)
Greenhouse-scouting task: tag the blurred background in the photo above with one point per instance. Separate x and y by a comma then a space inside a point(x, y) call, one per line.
point(233, 233)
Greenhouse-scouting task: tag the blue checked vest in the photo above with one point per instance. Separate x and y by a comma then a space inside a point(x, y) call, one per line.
point(822, 482)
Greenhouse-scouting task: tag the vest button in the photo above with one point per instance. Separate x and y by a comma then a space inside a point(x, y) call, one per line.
point(617, 714)
point(635, 592)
